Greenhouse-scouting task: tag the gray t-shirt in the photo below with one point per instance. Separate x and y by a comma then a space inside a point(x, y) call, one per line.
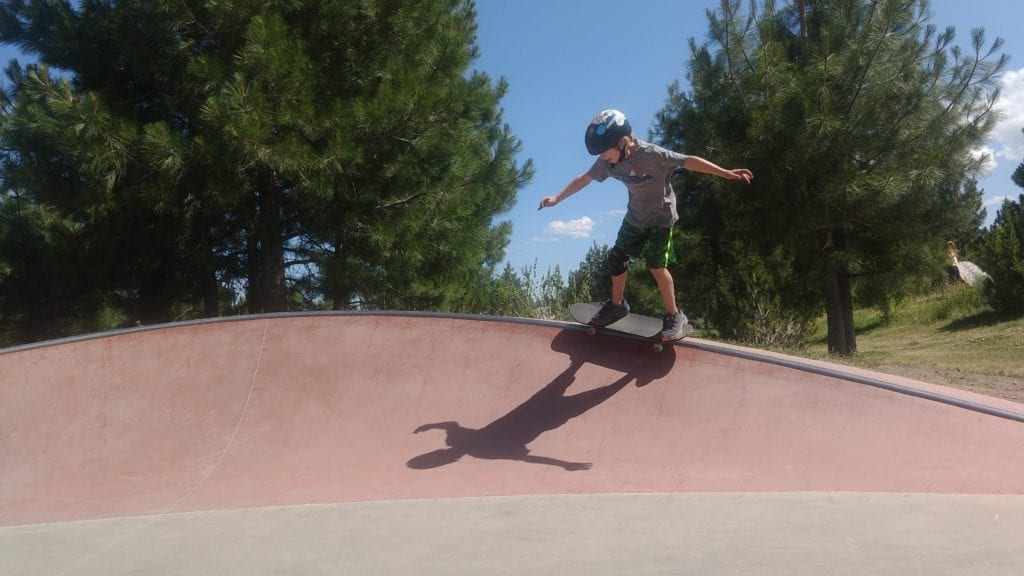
point(647, 175)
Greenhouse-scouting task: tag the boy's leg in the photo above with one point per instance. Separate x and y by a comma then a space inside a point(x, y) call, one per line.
point(619, 288)
point(629, 241)
point(618, 263)
point(616, 307)
point(659, 254)
point(667, 287)
point(674, 324)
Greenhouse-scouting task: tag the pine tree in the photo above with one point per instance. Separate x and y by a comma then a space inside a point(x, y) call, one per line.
point(1002, 257)
point(857, 118)
point(311, 153)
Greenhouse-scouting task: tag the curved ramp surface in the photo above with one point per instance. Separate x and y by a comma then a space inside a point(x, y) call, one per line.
point(268, 413)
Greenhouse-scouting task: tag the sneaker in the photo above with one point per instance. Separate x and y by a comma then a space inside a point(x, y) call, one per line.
point(610, 313)
point(673, 325)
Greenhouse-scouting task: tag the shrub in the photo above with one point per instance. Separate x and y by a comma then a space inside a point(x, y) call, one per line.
point(1002, 256)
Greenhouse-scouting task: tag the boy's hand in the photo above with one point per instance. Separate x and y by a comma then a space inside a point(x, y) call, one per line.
point(547, 202)
point(741, 174)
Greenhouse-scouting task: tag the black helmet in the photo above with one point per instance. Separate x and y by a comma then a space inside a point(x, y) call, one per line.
point(605, 131)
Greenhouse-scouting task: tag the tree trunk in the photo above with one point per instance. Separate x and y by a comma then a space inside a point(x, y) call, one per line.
point(154, 302)
point(205, 268)
point(802, 10)
point(254, 289)
point(271, 248)
point(842, 339)
point(336, 291)
point(211, 292)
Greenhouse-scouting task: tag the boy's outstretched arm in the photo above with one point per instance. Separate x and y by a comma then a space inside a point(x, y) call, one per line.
point(574, 186)
point(698, 164)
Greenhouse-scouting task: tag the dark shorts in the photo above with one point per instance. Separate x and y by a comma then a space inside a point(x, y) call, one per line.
point(653, 244)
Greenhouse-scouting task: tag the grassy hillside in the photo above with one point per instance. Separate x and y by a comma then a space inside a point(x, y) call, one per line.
point(949, 337)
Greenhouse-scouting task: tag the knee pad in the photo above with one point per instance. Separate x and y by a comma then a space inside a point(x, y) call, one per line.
point(618, 261)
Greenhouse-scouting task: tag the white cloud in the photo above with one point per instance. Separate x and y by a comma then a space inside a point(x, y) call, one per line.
point(1007, 137)
point(996, 201)
point(988, 156)
point(579, 228)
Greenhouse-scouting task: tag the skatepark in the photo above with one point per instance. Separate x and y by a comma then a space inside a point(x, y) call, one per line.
point(431, 444)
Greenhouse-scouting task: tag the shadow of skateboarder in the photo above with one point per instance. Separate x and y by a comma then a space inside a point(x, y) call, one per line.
point(550, 408)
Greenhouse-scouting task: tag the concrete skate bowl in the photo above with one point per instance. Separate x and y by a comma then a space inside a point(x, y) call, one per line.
point(401, 444)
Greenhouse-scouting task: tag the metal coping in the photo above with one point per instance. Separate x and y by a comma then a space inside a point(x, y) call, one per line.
point(746, 354)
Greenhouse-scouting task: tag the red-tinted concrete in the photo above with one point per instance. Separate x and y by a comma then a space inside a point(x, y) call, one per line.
point(325, 409)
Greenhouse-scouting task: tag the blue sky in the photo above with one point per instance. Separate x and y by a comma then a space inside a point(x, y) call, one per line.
point(565, 60)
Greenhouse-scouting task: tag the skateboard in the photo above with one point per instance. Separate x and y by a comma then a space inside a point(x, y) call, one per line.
point(634, 326)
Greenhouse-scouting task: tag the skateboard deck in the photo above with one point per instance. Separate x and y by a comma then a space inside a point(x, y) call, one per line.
point(632, 325)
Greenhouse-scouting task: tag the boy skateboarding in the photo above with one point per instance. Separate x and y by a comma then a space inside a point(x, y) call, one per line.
point(646, 170)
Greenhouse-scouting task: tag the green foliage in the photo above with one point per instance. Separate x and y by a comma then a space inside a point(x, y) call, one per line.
point(858, 123)
point(508, 295)
point(39, 273)
point(527, 294)
point(1001, 255)
point(942, 305)
point(546, 293)
point(591, 282)
point(240, 156)
point(757, 304)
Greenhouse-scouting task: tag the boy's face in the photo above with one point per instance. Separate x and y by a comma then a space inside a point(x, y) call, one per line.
point(611, 155)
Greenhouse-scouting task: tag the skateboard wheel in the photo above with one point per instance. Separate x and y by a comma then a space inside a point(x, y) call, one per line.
point(658, 347)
